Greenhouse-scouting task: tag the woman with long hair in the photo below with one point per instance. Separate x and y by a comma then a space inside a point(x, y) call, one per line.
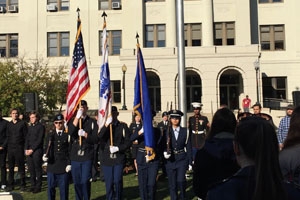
point(256, 149)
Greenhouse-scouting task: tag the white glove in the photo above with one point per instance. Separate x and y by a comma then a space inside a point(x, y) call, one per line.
point(108, 120)
point(147, 158)
point(79, 113)
point(45, 158)
point(80, 132)
point(190, 168)
point(113, 149)
point(68, 168)
point(142, 130)
point(166, 155)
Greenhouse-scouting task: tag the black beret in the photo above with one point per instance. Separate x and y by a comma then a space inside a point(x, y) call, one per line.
point(164, 114)
point(58, 117)
point(114, 109)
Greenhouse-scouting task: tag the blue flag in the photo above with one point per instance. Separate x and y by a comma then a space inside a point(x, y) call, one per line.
point(142, 105)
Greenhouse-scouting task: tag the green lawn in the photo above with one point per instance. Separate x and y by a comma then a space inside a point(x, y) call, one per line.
point(131, 191)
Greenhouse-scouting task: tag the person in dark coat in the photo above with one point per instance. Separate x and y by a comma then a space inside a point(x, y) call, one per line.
point(83, 135)
point(256, 148)
point(198, 127)
point(3, 150)
point(216, 160)
point(147, 168)
point(57, 157)
point(178, 155)
point(133, 127)
point(113, 159)
point(16, 135)
point(34, 151)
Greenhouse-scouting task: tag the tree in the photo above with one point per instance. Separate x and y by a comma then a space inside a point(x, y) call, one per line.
point(19, 76)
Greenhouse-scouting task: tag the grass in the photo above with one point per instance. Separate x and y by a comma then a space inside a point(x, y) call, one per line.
point(130, 191)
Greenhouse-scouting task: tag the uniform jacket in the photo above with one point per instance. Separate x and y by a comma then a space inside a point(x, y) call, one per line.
point(133, 128)
point(140, 159)
point(121, 139)
point(197, 129)
point(90, 126)
point(59, 152)
point(183, 143)
point(35, 136)
point(162, 125)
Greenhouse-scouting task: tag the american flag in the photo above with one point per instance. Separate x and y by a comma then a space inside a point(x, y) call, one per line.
point(105, 100)
point(79, 82)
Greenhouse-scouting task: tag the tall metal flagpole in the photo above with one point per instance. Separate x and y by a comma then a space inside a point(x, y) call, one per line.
point(181, 61)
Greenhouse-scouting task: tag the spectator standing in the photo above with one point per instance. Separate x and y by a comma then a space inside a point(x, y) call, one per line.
point(58, 159)
point(34, 151)
point(246, 103)
point(84, 136)
point(16, 135)
point(198, 126)
point(178, 155)
point(284, 126)
point(113, 158)
point(135, 126)
point(3, 150)
point(256, 149)
point(216, 160)
point(289, 156)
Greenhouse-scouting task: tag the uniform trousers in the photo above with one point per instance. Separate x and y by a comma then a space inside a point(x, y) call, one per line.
point(3, 166)
point(16, 156)
point(60, 180)
point(81, 174)
point(177, 180)
point(35, 162)
point(147, 173)
point(113, 177)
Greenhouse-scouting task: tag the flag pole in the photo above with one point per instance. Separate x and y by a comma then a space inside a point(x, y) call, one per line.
point(80, 121)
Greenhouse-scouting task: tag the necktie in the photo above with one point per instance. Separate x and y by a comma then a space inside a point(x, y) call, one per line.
point(59, 133)
point(176, 133)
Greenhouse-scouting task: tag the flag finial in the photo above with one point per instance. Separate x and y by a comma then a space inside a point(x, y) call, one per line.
point(137, 38)
point(78, 12)
point(104, 14)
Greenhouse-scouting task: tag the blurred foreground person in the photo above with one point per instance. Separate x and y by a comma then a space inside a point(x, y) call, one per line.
point(58, 159)
point(3, 151)
point(260, 178)
point(216, 160)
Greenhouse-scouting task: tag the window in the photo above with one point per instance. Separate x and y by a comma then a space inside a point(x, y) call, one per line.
point(274, 87)
point(270, 1)
point(114, 42)
point(272, 37)
point(224, 33)
point(109, 4)
point(58, 44)
point(10, 6)
point(116, 91)
point(61, 5)
point(155, 36)
point(9, 45)
point(192, 34)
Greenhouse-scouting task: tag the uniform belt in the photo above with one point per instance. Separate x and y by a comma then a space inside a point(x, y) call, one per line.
point(198, 132)
point(142, 150)
point(179, 151)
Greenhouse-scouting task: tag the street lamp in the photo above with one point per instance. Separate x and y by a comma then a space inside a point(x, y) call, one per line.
point(124, 69)
point(256, 67)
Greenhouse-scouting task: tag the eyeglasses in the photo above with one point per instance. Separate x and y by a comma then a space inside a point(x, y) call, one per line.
point(57, 122)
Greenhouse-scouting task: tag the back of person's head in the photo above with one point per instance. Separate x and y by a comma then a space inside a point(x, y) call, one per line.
point(256, 138)
point(223, 121)
point(293, 136)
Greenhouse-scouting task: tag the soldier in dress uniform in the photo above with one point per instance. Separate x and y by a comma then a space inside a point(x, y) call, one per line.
point(113, 159)
point(34, 151)
point(58, 159)
point(198, 126)
point(84, 134)
point(178, 155)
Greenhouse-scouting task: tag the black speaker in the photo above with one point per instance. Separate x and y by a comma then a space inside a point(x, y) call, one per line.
point(30, 102)
point(296, 98)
